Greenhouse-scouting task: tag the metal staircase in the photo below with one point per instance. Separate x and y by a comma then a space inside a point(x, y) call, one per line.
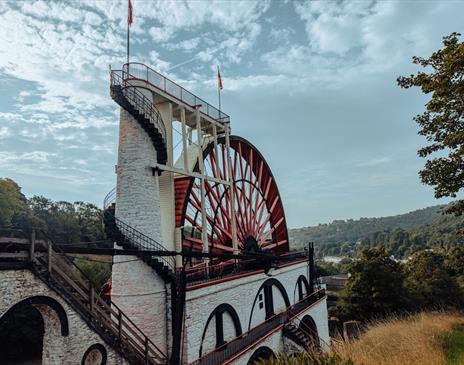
point(130, 238)
point(126, 94)
point(294, 333)
point(58, 271)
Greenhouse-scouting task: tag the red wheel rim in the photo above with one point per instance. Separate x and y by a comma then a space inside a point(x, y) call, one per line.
point(259, 212)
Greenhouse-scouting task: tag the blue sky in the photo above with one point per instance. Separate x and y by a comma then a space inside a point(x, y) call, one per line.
point(311, 84)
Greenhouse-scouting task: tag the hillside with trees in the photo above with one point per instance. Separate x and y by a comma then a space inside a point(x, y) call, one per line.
point(400, 234)
point(63, 221)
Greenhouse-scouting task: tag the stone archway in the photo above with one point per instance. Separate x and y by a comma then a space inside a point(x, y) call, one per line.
point(33, 329)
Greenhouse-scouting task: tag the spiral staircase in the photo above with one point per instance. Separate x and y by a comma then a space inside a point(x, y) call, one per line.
point(126, 94)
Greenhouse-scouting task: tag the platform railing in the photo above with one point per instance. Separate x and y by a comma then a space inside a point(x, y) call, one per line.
point(136, 98)
point(60, 272)
point(139, 71)
point(230, 350)
point(110, 198)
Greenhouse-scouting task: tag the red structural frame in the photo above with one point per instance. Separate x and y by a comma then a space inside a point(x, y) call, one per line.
point(259, 211)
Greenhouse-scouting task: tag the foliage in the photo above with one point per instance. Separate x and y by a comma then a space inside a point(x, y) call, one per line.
point(342, 236)
point(374, 289)
point(68, 222)
point(453, 345)
point(327, 268)
point(442, 123)
point(307, 359)
point(12, 201)
point(95, 269)
point(64, 222)
point(429, 282)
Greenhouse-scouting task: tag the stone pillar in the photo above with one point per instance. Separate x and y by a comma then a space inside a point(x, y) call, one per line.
point(137, 289)
point(137, 193)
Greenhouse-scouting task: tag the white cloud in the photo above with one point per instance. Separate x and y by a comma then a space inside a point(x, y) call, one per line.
point(4, 132)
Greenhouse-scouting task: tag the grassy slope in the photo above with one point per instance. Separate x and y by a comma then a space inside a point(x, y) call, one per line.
point(414, 341)
point(453, 345)
point(422, 339)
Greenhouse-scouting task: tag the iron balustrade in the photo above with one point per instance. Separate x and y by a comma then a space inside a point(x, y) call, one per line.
point(233, 348)
point(139, 71)
point(110, 198)
point(142, 242)
point(139, 101)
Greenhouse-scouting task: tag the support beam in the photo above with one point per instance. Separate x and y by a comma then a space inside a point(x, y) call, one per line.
point(184, 139)
point(231, 192)
point(204, 233)
point(197, 175)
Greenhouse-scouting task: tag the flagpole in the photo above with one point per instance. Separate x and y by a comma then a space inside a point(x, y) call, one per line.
point(128, 27)
point(219, 91)
point(219, 96)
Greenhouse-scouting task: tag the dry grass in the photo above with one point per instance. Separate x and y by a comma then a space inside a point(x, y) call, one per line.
point(416, 340)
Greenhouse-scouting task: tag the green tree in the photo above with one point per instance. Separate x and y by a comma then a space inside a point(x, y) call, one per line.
point(430, 283)
point(374, 288)
point(12, 201)
point(442, 123)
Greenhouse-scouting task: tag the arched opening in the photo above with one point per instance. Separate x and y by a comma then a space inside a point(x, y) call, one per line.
point(223, 325)
point(301, 289)
point(263, 353)
point(95, 355)
point(271, 298)
point(23, 327)
point(309, 328)
point(21, 335)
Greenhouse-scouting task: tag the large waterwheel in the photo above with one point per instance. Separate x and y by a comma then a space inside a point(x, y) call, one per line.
point(259, 213)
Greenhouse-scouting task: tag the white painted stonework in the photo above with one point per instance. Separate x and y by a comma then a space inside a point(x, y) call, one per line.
point(142, 295)
point(17, 285)
point(240, 294)
point(137, 192)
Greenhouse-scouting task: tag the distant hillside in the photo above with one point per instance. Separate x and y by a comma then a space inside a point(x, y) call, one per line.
point(340, 236)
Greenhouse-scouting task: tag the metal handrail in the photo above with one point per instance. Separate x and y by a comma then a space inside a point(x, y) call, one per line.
point(246, 339)
point(143, 242)
point(76, 287)
point(140, 71)
point(110, 198)
point(138, 100)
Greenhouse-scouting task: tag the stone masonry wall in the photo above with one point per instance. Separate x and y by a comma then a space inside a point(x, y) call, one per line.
point(142, 295)
point(138, 290)
point(17, 285)
point(240, 294)
point(137, 193)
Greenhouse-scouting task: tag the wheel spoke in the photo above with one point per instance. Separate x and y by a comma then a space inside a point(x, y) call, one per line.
point(257, 206)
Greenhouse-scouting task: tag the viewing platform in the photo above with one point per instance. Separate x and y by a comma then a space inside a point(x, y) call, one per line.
point(165, 90)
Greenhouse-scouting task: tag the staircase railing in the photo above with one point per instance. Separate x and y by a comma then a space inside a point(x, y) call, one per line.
point(136, 98)
point(145, 243)
point(59, 271)
point(110, 198)
point(139, 71)
point(231, 349)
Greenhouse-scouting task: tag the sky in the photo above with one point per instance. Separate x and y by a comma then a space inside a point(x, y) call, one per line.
point(311, 84)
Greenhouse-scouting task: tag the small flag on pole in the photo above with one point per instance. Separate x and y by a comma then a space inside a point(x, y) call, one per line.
point(129, 14)
point(219, 80)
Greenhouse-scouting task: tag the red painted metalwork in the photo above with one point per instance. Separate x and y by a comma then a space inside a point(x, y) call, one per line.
point(258, 209)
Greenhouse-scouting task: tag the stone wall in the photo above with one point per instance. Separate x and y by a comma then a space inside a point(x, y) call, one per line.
point(240, 294)
point(137, 193)
point(18, 285)
point(137, 289)
point(142, 295)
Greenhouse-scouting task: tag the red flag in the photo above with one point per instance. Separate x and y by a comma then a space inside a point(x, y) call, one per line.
point(129, 15)
point(219, 80)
